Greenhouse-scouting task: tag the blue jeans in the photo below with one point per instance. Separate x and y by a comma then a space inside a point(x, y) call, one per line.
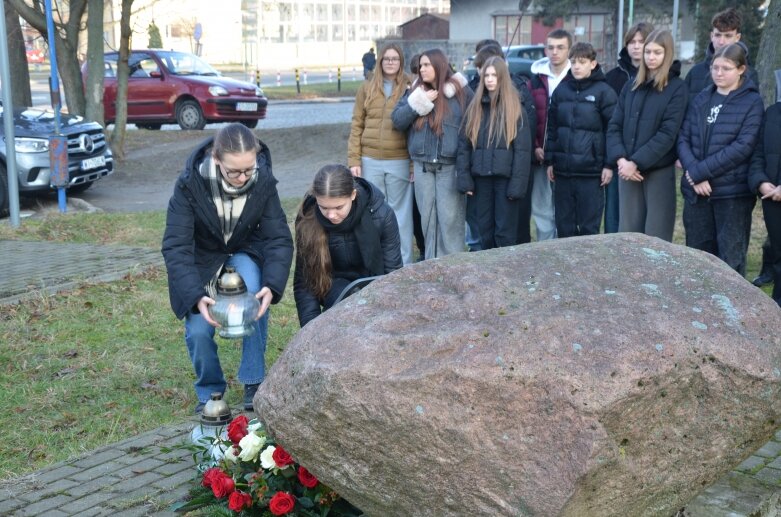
point(721, 227)
point(199, 336)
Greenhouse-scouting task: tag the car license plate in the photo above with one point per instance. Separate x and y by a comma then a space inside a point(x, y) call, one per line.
point(246, 106)
point(92, 163)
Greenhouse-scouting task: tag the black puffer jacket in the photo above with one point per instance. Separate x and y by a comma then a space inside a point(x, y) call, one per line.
point(623, 73)
point(723, 159)
point(194, 247)
point(645, 124)
point(345, 250)
point(766, 160)
point(699, 77)
point(495, 159)
point(578, 116)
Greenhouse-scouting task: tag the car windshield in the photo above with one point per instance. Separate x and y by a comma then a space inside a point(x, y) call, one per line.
point(180, 63)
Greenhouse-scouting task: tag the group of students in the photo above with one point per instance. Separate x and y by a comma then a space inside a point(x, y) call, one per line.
point(486, 159)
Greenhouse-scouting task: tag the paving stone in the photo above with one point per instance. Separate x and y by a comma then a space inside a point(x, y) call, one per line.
point(770, 450)
point(44, 506)
point(185, 477)
point(7, 505)
point(775, 464)
point(98, 458)
point(52, 513)
point(64, 471)
point(172, 467)
point(751, 463)
point(141, 480)
point(778, 436)
point(143, 441)
point(61, 485)
point(131, 458)
point(102, 484)
point(142, 467)
point(84, 503)
point(98, 471)
point(770, 476)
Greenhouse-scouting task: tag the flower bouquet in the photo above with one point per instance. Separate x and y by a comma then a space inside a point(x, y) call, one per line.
point(252, 475)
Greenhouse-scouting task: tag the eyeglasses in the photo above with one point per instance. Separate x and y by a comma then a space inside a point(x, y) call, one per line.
point(232, 174)
point(391, 59)
point(725, 69)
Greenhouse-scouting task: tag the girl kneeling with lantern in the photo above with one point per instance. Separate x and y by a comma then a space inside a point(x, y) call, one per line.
point(225, 213)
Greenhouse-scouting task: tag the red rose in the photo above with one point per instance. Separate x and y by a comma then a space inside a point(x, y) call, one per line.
point(208, 476)
point(237, 429)
point(281, 503)
point(222, 485)
point(281, 457)
point(239, 500)
point(306, 478)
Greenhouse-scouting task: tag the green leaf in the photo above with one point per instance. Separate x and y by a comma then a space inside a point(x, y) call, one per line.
point(306, 502)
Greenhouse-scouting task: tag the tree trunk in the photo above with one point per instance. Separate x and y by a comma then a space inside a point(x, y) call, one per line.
point(123, 71)
point(769, 58)
point(66, 43)
point(17, 60)
point(94, 86)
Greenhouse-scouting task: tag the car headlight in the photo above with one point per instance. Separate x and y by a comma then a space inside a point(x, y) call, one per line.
point(31, 145)
point(259, 92)
point(217, 91)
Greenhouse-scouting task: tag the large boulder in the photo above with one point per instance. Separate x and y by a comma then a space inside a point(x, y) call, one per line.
point(606, 375)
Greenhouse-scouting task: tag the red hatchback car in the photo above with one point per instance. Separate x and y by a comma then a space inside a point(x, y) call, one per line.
point(167, 87)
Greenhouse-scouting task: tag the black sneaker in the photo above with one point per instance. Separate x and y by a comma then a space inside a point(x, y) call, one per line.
point(249, 394)
point(764, 278)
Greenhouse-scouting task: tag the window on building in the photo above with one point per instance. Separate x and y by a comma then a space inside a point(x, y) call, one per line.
point(507, 30)
point(589, 28)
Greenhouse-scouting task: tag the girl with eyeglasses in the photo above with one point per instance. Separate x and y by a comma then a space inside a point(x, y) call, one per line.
point(375, 150)
point(225, 211)
point(717, 140)
point(344, 231)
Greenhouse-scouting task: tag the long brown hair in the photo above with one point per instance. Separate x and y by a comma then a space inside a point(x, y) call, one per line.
point(505, 108)
point(313, 255)
point(443, 73)
point(400, 80)
point(664, 39)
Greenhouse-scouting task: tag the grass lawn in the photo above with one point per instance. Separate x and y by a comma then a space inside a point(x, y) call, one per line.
point(95, 365)
point(311, 91)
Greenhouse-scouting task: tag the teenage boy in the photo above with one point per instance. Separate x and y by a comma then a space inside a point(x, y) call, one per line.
point(725, 30)
point(547, 72)
point(575, 148)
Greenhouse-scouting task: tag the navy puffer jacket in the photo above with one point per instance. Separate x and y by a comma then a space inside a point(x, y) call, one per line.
point(724, 158)
point(578, 116)
point(645, 124)
point(495, 159)
point(766, 160)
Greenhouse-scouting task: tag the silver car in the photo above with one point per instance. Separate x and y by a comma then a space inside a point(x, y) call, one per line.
point(89, 156)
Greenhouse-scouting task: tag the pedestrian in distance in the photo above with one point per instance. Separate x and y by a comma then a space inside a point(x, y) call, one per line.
point(717, 139)
point(344, 231)
point(225, 211)
point(431, 113)
point(548, 74)
point(641, 139)
point(494, 155)
point(375, 150)
point(629, 59)
point(369, 61)
point(575, 146)
point(765, 180)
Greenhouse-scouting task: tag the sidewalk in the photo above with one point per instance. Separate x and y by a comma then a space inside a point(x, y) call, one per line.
point(135, 477)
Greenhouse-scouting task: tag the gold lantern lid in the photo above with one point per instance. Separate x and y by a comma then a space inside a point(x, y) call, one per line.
point(230, 282)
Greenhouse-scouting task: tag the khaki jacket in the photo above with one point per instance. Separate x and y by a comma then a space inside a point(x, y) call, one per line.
point(372, 132)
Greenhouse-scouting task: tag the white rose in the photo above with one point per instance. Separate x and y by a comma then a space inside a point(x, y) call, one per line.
point(250, 446)
point(232, 454)
point(254, 425)
point(267, 458)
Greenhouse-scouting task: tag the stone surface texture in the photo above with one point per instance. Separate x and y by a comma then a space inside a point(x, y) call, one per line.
point(607, 375)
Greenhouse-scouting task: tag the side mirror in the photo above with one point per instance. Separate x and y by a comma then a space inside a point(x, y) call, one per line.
point(156, 74)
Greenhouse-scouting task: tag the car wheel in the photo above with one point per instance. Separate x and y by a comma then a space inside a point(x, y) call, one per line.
point(252, 124)
point(81, 187)
point(153, 127)
point(189, 115)
point(3, 191)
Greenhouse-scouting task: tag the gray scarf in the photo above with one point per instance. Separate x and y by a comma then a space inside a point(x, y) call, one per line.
point(228, 200)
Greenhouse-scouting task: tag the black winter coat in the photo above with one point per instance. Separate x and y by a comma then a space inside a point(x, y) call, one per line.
point(495, 159)
point(194, 247)
point(699, 77)
point(578, 116)
point(724, 158)
point(520, 82)
point(345, 249)
point(623, 73)
point(645, 124)
point(766, 160)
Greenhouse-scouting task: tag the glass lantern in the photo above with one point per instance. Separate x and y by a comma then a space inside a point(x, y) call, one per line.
point(236, 310)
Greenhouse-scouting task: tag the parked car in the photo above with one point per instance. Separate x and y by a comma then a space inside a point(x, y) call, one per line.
point(166, 87)
point(89, 156)
point(35, 56)
point(519, 60)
